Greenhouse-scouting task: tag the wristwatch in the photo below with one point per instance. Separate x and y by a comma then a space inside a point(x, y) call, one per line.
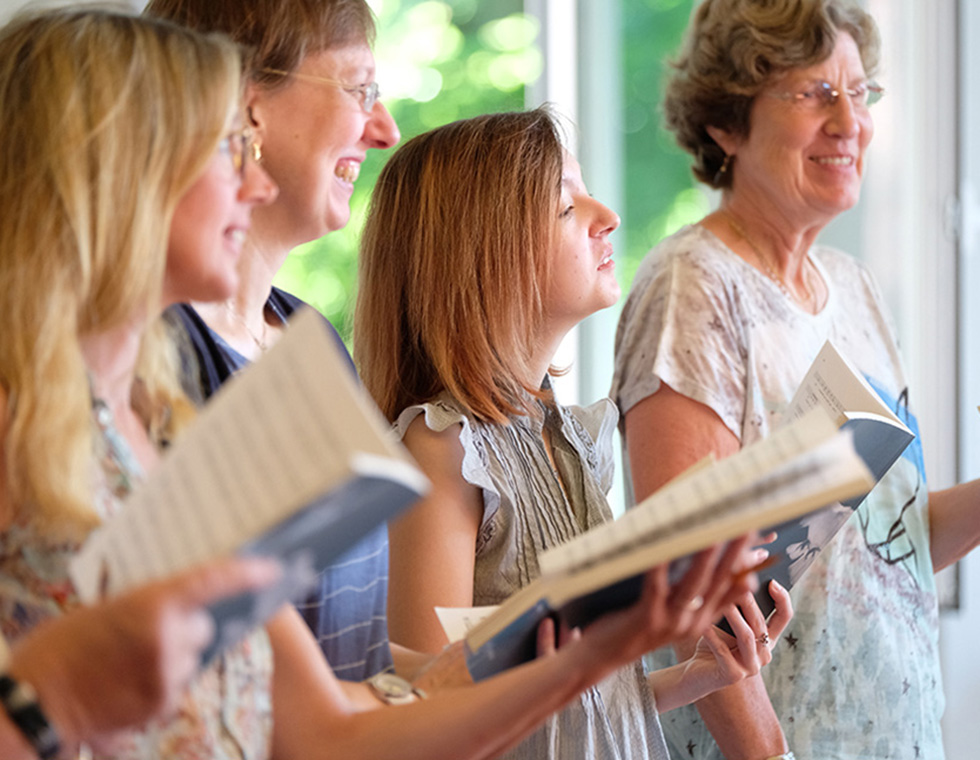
point(394, 690)
point(19, 701)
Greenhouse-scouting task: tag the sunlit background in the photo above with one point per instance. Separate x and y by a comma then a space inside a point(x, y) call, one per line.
point(442, 60)
point(602, 63)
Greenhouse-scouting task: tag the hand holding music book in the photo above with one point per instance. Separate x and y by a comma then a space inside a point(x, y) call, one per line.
point(801, 467)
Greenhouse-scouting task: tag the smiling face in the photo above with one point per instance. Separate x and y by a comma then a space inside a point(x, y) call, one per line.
point(210, 223)
point(804, 164)
point(582, 273)
point(314, 137)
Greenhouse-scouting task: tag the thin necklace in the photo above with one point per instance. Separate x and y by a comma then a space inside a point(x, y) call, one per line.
point(810, 292)
point(260, 342)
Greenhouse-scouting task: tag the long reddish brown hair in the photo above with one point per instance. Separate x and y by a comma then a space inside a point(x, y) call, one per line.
point(453, 261)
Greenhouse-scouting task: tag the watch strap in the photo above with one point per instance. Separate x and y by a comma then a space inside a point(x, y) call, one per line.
point(19, 701)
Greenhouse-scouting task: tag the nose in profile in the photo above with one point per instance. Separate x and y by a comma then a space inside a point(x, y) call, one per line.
point(381, 131)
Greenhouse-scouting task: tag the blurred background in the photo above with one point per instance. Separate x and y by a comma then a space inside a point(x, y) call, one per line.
point(602, 63)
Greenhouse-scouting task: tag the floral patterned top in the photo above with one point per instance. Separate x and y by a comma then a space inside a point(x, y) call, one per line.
point(856, 674)
point(227, 711)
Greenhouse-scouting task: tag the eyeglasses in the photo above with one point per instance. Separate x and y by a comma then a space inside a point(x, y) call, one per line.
point(366, 94)
point(822, 95)
point(240, 147)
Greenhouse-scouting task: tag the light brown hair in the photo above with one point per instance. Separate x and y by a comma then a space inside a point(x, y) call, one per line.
point(108, 119)
point(278, 34)
point(453, 260)
point(734, 48)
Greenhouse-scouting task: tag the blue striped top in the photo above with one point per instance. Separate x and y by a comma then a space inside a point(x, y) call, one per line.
point(346, 611)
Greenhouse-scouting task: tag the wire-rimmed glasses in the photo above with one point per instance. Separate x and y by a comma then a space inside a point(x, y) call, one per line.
point(824, 95)
point(366, 94)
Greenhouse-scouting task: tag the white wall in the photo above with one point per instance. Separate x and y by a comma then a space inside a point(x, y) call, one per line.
point(962, 663)
point(7, 8)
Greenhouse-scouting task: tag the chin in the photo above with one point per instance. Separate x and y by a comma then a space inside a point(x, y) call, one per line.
point(602, 305)
point(842, 205)
point(336, 222)
point(846, 198)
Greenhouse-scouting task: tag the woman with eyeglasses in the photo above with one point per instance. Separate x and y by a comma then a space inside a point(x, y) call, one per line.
point(313, 106)
point(125, 188)
point(773, 100)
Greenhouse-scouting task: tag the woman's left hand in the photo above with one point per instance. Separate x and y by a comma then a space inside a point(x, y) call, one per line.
point(721, 660)
point(726, 659)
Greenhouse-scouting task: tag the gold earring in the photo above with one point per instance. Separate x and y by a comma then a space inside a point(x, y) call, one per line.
point(723, 170)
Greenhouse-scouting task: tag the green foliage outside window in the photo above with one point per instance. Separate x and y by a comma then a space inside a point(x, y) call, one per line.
point(437, 62)
point(660, 193)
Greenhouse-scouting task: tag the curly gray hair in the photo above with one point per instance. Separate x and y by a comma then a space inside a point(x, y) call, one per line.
point(734, 48)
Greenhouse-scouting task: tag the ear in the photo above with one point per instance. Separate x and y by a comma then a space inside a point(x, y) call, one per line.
point(726, 140)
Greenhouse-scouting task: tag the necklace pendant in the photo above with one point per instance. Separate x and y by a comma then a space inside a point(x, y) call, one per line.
point(808, 302)
point(261, 343)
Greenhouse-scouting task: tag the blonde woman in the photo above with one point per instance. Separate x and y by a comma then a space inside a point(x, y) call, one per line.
point(117, 134)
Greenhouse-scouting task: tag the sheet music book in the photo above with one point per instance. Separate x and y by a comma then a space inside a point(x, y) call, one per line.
point(291, 458)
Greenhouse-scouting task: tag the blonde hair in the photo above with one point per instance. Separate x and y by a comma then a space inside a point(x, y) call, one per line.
point(279, 34)
point(734, 48)
point(452, 262)
point(108, 118)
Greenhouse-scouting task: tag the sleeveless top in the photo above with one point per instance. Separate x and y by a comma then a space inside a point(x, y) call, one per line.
point(525, 511)
point(227, 710)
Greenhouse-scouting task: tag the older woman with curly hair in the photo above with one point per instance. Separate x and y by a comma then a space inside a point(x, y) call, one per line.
point(724, 317)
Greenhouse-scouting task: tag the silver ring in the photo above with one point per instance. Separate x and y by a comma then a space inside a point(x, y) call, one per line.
point(695, 604)
point(764, 639)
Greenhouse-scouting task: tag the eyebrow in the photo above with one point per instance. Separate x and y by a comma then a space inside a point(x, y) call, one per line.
point(856, 79)
point(355, 74)
point(362, 74)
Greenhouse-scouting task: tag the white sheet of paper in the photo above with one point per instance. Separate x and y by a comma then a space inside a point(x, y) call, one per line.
point(459, 621)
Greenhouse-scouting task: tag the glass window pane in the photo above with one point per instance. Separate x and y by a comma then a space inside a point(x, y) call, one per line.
point(660, 192)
